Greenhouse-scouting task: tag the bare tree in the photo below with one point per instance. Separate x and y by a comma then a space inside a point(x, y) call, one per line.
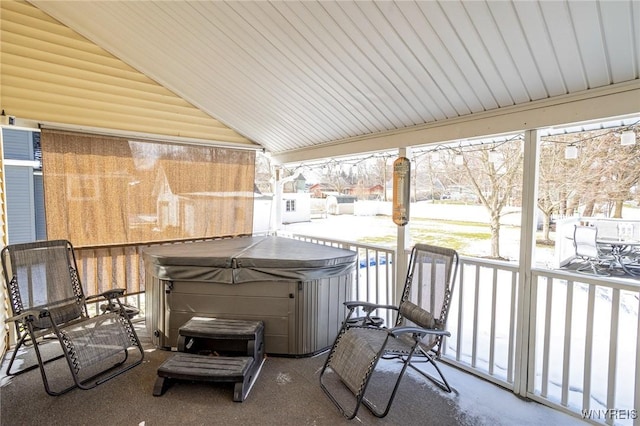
point(374, 171)
point(555, 184)
point(599, 179)
point(494, 181)
point(334, 176)
point(264, 173)
point(381, 164)
point(421, 171)
point(621, 172)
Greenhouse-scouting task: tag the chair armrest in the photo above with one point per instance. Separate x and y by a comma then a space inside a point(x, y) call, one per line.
point(30, 313)
point(109, 294)
point(367, 306)
point(367, 319)
point(397, 331)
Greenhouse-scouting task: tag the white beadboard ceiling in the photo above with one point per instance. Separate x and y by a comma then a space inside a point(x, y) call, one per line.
point(296, 75)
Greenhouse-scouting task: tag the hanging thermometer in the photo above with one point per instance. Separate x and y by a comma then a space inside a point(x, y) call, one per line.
point(401, 190)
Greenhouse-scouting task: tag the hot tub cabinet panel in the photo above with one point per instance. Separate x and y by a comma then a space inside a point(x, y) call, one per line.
point(296, 288)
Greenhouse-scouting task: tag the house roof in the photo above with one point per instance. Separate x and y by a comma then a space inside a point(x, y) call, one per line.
point(307, 79)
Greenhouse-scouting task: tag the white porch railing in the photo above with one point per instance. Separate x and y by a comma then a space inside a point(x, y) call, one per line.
point(584, 350)
point(482, 320)
point(582, 347)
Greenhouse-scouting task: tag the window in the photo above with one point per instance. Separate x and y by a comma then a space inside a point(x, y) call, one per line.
point(290, 206)
point(23, 180)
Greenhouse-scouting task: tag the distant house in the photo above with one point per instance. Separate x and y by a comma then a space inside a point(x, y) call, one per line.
point(296, 207)
point(374, 192)
point(320, 190)
point(323, 190)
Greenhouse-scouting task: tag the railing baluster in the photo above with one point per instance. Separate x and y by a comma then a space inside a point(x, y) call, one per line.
point(368, 273)
point(613, 352)
point(512, 328)
point(532, 342)
point(588, 349)
point(432, 290)
point(636, 400)
point(376, 256)
point(103, 269)
point(390, 263)
point(547, 339)
point(460, 293)
point(566, 357)
point(119, 276)
point(476, 304)
point(492, 333)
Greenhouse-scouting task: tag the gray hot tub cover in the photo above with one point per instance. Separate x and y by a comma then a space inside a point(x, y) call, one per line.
point(248, 259)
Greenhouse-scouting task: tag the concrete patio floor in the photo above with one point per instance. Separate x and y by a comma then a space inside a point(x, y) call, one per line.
point(286, 392)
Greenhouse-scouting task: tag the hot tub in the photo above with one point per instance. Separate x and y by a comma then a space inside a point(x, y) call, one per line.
point(297, 288)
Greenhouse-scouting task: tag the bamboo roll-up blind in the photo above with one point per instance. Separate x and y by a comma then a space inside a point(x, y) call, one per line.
point(102, 190)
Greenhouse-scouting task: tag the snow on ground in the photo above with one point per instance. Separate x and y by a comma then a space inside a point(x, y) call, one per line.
point(348, 227)
point(374, 222)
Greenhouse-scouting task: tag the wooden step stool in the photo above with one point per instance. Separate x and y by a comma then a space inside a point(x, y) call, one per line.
point(200, 343)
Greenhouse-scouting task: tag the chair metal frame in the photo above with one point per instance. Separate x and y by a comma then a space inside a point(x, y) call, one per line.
point(40, 317)
point(416, 333)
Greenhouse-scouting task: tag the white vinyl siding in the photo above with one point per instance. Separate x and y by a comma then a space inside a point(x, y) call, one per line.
point(50, 73)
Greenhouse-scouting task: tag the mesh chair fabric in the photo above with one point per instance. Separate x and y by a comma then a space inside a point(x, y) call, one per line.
point(356, 354)
point(97, 339)
point(43, 275)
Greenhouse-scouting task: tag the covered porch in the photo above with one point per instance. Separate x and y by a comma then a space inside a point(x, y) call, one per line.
point(311, 81)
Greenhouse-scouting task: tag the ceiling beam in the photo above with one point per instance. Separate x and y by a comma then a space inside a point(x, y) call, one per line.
point(595, 104)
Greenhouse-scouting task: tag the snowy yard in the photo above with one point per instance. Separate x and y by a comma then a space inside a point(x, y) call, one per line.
point(469, 237)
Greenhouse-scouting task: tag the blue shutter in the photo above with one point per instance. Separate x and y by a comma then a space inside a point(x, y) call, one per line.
point(18, 144)
point(20, 208)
